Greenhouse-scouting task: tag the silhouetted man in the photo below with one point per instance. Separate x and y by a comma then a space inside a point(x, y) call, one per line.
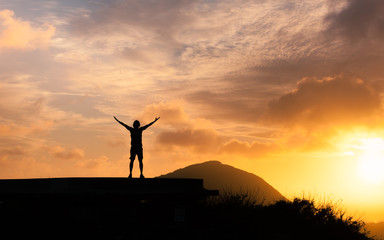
point(136, 143)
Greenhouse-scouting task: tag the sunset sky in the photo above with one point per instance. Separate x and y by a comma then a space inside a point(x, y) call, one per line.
point(290, 90)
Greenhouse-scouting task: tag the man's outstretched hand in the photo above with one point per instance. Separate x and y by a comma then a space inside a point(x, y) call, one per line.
point(157, 119)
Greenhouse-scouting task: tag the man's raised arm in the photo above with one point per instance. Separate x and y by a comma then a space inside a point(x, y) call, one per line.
point(125, 125)
point(149, 124)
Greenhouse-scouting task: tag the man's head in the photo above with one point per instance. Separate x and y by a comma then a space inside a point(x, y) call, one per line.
point(136, 124)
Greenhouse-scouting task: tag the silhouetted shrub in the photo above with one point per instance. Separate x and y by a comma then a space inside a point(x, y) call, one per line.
point(238, 216)
point(238, 200)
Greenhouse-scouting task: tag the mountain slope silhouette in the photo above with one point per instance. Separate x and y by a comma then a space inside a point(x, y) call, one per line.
point(226, 178)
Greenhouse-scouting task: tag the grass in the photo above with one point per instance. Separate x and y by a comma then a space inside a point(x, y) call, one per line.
point(239, 216)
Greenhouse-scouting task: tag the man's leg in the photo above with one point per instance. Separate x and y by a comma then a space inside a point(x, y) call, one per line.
point(131, 163)
point(140, 157)
point(131, 167)
point(141, 168)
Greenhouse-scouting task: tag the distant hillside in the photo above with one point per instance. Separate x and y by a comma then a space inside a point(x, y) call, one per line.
point(376, 230)
point(227, 178)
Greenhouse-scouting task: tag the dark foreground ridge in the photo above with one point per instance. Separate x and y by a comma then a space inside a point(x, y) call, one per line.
point(134, 188)
point(121, 208)
point(98, 208)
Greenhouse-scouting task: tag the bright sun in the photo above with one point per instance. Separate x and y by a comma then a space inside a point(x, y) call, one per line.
point(371, 161)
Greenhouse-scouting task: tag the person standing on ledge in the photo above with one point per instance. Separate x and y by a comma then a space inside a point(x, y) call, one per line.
point(136, 143)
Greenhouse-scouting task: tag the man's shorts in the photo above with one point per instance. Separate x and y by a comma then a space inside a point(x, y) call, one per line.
point(136, 150)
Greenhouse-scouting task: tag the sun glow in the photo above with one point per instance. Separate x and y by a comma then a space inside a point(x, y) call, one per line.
point(371, 161)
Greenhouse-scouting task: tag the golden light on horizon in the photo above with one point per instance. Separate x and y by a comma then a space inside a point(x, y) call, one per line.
point(371, 162)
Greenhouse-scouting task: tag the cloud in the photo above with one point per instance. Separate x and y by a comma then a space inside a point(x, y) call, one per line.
point(112, 142)
point(242, 105)
point(63, 153)
point(24, 111)
point(198, 140)
point(276, 52)
point(209, 36)
point(210, 142)
point(36, 128)
point(171, 113)
point(67, 165)
point(332, 100)
point(358, 21)
point(251, 150)
point(12, 150)
point(18, 34)
point(177, 129)
point(140, 18)
point(181, 133)
point(96, 163)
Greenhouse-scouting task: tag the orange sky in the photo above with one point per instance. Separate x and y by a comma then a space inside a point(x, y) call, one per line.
point(289, 90)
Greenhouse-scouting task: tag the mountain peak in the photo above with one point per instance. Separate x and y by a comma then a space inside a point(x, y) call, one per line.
point(227, 178)
point(213, 162)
